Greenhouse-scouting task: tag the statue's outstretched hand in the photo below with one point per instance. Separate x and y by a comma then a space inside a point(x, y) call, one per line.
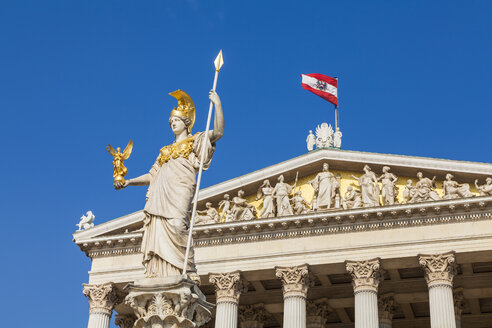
point(214, 97)
point(118, 185)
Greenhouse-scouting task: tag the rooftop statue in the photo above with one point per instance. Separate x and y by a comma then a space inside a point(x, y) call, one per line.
point(266, 191)
point(324, 184)
point(369, 187)
point(281, 194)
point(310, 140)
point(423, 190)
point(453, 189)
point(337, 138)
point(172, 181)
point(86, 221)
point(389, 189)
point(486, 189)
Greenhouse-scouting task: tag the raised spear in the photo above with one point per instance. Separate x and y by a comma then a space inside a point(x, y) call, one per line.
point(218, 62)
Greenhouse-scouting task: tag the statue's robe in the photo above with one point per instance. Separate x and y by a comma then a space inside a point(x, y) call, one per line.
point(167, 211)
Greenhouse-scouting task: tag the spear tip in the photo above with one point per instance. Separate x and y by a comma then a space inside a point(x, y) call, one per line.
point(219, 61)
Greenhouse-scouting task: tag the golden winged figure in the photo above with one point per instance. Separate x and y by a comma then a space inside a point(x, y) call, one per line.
point(118, 157)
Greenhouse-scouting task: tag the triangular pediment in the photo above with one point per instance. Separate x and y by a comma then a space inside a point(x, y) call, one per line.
point(345, 163)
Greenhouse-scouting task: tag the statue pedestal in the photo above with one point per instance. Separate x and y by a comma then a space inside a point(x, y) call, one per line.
point(171, 302)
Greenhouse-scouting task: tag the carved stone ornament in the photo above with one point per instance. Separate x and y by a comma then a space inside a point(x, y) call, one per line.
point(440, 269)
point(387, 306)
point(459, 301)
point(228, 286)
point(295, 280)
point(125, 320)
point(252, 316)
point(167, 302)
point(102, 298)
point(365, 274)
point(317, 312)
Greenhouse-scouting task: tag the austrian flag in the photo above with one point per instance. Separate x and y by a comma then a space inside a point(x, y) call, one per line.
point(322, 85)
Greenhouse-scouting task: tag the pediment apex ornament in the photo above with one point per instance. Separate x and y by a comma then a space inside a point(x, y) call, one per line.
point(296, 280)
point(228, 286)
point(102, 298)
point(366, 275)
point(440, 269)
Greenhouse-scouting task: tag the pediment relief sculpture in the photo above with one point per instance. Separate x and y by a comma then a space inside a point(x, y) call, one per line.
point(334, 190)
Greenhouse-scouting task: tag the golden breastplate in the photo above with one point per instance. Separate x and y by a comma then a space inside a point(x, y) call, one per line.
point(182, 148)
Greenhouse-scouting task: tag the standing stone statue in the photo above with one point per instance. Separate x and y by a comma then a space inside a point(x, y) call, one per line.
point(453, 189)
point(208, 216)
point(486, 189)
point(424, 190)
point(337, 138)
point(408, 192)
point(172, 181)
point(352, 198)
point(266, 191)
point(388, 183)
point(301, 206)
point(324, 184)
point(310, 140)
point(241, 209)
point(281, 194)
point(369, 187)
point(224, 206)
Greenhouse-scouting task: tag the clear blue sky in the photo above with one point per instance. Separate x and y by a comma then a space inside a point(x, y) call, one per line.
point(414, 79)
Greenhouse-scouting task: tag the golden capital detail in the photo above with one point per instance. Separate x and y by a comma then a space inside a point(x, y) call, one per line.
point(228, 286)
point(296, 280)
point(102, 298)
point(440, 269)
point(365, 274)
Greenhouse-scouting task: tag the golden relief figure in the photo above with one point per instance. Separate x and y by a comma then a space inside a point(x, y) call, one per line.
point(120, 170)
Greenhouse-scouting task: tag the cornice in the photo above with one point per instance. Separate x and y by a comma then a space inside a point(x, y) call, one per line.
point(335, 222)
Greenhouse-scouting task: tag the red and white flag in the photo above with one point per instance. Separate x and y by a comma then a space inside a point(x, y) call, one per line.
point(322, 85)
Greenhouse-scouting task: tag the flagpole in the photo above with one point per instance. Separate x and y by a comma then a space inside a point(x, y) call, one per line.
point(336, 107)
point(218, 64)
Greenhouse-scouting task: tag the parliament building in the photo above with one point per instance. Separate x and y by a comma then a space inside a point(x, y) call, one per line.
point(332, 238)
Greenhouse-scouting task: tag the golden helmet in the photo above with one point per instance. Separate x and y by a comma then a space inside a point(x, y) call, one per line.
point(186, 107)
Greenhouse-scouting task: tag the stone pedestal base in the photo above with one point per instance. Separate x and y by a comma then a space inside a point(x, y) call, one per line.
point(171, 302)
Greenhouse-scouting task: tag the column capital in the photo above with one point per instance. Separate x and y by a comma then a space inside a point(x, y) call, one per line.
point(296, 280)
point(102, 298)
point(440, 269)
point(252, 316)
point(387, 306)
point(365, 274)
point(459, 301)
point(228, 286)
point(125, 320)
point(317, 311)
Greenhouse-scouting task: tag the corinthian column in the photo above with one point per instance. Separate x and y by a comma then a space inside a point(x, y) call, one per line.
point(295, 283)
point(102, 299)
point(317, 313)
point(387, 305)
point(459, 303)
point(365, 280)
point(228, 289)
point(440, 270)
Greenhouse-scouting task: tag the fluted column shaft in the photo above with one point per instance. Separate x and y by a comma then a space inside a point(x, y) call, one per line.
point(365, 281)
point(228, 289)
point(295, 283)
point(102, 299)
point(440, 270)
